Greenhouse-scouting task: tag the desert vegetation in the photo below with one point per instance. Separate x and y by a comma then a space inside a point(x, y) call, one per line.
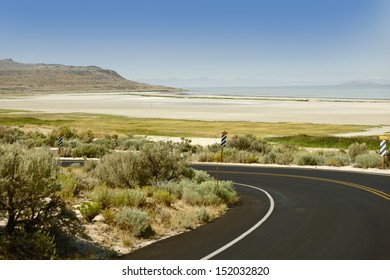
point(249, 149)
point(138, 190)
point(103, 208)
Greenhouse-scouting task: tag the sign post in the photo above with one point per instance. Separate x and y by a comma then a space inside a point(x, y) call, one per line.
point(382, 149)
point(223, 144)
point(59, 144)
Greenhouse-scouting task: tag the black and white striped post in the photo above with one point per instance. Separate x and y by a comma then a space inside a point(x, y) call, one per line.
point(59, 144)
point(382, 149)
point(223, 144)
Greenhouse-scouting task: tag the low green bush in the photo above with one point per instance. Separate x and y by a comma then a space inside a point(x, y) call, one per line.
point(134, 220)
point(337, 160)
point(356, 149)
point(89, 151)
point(127, 197)
point(101, 195)
point(305, 158)
point(89, 210)
point(163, 196)
point(370, 160)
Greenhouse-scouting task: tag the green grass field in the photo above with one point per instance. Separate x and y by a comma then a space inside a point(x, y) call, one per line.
point(166, 127)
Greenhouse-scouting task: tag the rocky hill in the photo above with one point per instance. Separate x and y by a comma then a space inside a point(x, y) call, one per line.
point(24, 78)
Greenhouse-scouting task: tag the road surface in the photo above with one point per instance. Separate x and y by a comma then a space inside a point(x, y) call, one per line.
point(315, 215)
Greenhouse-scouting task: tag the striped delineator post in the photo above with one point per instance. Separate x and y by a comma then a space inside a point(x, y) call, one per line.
point(223, 144)
point(382, 149)
point(59, 144)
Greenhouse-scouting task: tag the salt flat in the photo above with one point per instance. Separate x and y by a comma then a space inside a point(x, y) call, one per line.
point(210, 109)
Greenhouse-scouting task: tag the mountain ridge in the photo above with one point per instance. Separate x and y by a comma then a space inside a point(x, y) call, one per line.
point(16, 77)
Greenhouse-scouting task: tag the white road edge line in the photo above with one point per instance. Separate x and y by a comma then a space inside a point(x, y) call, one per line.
point(242, 236)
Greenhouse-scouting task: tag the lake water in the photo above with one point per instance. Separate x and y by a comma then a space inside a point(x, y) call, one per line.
point(344, 92)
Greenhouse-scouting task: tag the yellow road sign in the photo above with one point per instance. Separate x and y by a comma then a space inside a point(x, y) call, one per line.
point(383, 137)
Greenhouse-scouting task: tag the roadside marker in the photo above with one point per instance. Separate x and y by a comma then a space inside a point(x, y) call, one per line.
point(223, 144)
point(59, 144)
point(223, 139)
point(382, 149)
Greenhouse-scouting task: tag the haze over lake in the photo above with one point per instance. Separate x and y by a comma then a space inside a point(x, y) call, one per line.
point(344, 92)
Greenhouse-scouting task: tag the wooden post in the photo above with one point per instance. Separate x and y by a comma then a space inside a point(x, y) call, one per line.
point(223, 144)
point(383, 162)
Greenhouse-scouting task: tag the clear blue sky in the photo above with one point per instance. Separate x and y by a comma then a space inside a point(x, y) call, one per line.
point(290, 40)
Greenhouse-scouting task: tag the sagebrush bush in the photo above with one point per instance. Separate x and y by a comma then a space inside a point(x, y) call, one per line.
point(101, 195)
point(127, 197)
point(134, 220)
point(337, 160)
point(200, 176)
point(306, 158)
point(126, 170)
point(356, 149)
point(202, 215)
point(192, 196)
point(163, 196)
point(226, 192)
point(89, 151)
point(154, 162)
point(284, 158)
point(370, 160)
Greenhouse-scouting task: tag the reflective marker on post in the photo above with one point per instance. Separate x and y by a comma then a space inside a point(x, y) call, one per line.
point(223, 140)
point(59, 142)
point(382, 148)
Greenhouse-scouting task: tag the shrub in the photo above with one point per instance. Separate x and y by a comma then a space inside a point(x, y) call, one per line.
point(101, 195)
point(306, 158)
point(28, 246)
point(134, 220)
point(154, 162)
point(205, 156)
point(90, 210)
point(202, 215)
point(284, 158)
point(68, 186)
point(28, 186)
point(126, 170)
point(163, 196)
point(200, 176)
point(356, 149)
point(186, 219)
point(226, 192)
point(337, 160)
point(270, 157)
point(368, 160)
point(89, 150)
point(127, 197)
point(164, 161)
point(192, 196)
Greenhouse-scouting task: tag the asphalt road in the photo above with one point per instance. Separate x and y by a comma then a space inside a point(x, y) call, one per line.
point(317, 215)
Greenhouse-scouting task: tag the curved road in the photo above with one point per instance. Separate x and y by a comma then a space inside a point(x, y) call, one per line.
point(317, 215)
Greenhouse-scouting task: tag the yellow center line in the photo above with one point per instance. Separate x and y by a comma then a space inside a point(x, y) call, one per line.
point(361, 187)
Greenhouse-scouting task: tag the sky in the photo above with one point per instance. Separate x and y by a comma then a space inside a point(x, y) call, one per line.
point(283, 40)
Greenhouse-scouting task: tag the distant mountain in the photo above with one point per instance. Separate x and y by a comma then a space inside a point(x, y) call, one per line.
point(20, 77)
point(242, 82)
point(374, 82)
point(208, 82)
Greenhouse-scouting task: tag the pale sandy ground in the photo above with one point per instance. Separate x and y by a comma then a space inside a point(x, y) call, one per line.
point(153, 106)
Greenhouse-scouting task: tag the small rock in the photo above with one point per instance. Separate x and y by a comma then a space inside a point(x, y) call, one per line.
point(99, 218)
